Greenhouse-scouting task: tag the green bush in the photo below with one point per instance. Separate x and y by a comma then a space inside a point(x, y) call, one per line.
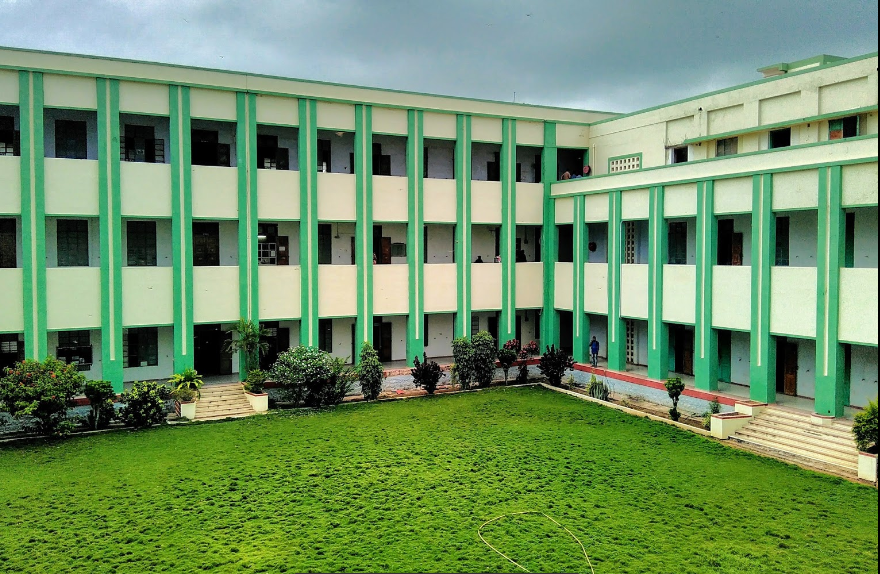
point(598, 389)
point(101, 397)
point(310, 376)
point(40, 394)
point(485, 351)
point(554, 362)
point(190, 379)
point(507, 355)
point(865, 428)
point(144, 404)
point(674, 387)
point(714, 409)
point(183, 395)
point(255, 381)
point(463, 359)
point(370, 372)
point(426, 374)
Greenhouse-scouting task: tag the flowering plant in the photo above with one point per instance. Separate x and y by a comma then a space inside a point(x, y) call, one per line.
point(40, 393)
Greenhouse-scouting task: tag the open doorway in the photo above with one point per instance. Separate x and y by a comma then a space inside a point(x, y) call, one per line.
point(786, 366)
point(383, 338)
point(210, 357)
point(681, 349)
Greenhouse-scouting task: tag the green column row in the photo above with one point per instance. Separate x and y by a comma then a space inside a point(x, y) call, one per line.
point(363, 169)
point(507, 325)
point(308, 226)
point(463, 225)
point(658, 331)
point(248, 271)
point(415, 321)
point(616, 324)
point(580, 330)
point(762, 369)
point(705, 337)
point(549, 239)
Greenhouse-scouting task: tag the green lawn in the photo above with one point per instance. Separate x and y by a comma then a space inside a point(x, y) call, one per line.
point(404, 486)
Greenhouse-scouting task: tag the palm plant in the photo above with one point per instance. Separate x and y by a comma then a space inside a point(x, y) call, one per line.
point(250, 341)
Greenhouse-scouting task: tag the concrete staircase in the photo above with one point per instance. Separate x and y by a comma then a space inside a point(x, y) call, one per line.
point(222, 401)
point(793, 433)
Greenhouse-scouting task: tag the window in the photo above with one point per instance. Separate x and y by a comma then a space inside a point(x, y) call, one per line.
point(398, 250)
point(627, 163)
point(140, 347)
point(70, 139)
point(565, 246)
point(677, 246)
point(843, 128)
point(730, 244)
point(141, 239)
point(629, 242)
point(139, 144)
point(75, 347)
point(493, 168)
point(325, 335)
point(475, 325)
point(73, 242)
point(11, 350)
point(780, 138)
point(782, 244)
point(206, 243)
point(381, 163)
point(8, 258)
point(323, 156)
point(727, 146)
point(679, 154)
point(10, 143)
point(269, 155)
point(267, 243)
point(207, 149)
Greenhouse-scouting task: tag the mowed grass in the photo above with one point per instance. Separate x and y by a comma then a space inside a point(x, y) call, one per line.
point(405, 485)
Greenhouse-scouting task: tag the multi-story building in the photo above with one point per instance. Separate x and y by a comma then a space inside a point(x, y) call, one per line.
point(732, 236)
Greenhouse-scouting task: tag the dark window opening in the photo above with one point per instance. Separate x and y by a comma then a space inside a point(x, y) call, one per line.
point(475, 325)
point(325, 241)
point(324, 156)
point(206, 243)
point(8, 247)
point(565, 246)
point(728, 146)
point(849, 241)
point(780, 138)
point(272, 249)
point(139, 144)
point(569, 163)
point(536, 168)
point(75, 347)
point(72, 236)
point(325, 335)
point(381, 163)
point(677, 245)
point(10, 138)
point(425, 162)
point(70, 139)
point(141, 239)
point(493, 168)
point(843, 128)
point(140, 347)
point(680, 154)
point(207, 150)
point(269, 155)
point(11, 350)
point(730, 244)
point(782, 241)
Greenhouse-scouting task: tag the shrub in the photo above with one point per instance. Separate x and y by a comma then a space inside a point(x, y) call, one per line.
point(525, 353)
point(332, 390)
point(426, 374)
point(554, 363)
point(598, 389)
point(463, 359)
point(255, 381)
point(189, 379)
point(507, 355)
point(312, 377)
point(674, 387)
point(370, 372)
point(714, 409)
point(250, 342)
point(485, 351)
point(865, 428)
point(101, 397)
point(144, 404)
point(40, 393)
point(183, 395)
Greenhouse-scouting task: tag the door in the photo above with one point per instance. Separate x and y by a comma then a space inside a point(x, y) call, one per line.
point(789, 376)
point(207, 340)
point(206, 243)
point(736, 249)
point(283, 250)
point(382, 338)
point(724, 355)
point(353, 250)
point(493, 328)
point(386, 251)
point(687, 352)
point(225, 356)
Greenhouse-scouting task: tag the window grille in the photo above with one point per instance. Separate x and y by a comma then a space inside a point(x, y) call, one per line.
point(629, 242)
point(73, 242)
point(727, 146)
point(627, 163)
point(630, 342)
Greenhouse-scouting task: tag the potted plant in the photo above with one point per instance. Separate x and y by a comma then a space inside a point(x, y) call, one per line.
point(865, 434)
point(254, 390)
point(250, 341)
point(186, 387)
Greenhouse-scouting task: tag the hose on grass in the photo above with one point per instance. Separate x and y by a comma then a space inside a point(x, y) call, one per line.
point(514, 562)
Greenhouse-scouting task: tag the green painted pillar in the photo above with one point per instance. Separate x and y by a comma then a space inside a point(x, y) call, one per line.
point(463, 224)
point(616, 324)
point(705, 337)
point(549, 239)
point(507, 325)
point(762, 371)
point(308, 224)
point(415, 238)
point(658, 331)
point(831, 380)
point(363, 226)
point(33, 215)
point(110, 224)
point(248, 271)
point(181, 225)
point(580, 330)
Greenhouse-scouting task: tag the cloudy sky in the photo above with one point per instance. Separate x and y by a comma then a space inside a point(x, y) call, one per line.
point(618, 55)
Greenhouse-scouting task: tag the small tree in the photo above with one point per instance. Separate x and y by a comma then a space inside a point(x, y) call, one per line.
point(426, 374)
point(370, 372)
point(485, 351)
point(864, 428)
point(525, 353)
point(144, 404)
point(554, 362)
point(250, 341)
point(100, 395)
point(41, 392)
point(463, 358)
point(507, 355)
point(674, 387)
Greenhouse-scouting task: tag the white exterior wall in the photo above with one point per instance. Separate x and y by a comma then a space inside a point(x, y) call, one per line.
point(483, 243)
point(441, 243)
point(865, 248)
point(863, 376)
point(803, 237)
point(740, 360)
point(441, 154)
point(481, 154)
point(228, 243)
point(440, 334)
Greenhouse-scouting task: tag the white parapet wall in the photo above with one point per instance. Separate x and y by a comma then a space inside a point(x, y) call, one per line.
point(725, 424)
point(868, 466)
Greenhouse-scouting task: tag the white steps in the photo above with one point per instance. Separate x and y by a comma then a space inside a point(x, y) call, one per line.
point(222, 401)
point(793, 433)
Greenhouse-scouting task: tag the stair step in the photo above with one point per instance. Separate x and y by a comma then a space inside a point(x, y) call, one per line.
point(797, 447)
point(851, 467)
point(805, 418)
point(221, 417)
point(217, 412)
point(805, 434)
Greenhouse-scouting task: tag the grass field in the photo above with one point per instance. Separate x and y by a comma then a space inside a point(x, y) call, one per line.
point(404, 486)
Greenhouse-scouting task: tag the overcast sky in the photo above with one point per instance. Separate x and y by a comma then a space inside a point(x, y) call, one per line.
point(619, 55)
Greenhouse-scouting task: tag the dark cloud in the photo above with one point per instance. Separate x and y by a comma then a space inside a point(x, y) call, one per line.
point(618, 56)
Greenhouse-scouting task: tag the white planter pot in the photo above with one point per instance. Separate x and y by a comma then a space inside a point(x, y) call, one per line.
point(187, 410)
point(868, 466)
point(259, 401)
point(725, 424)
